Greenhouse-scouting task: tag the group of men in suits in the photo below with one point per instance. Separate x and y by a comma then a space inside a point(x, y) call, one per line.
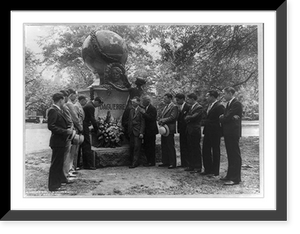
point(218, 121)
point(69, 120)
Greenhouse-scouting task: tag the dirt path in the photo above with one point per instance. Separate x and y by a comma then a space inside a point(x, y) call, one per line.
point(146, 181)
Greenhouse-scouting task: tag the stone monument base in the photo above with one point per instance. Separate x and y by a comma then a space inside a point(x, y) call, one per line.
point(119, 156)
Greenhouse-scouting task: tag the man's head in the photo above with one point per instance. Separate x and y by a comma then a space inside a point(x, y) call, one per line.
point(191, 98)
point(72, 95)
point(146, 100)
point(180, 98)
point(228, 93)
point(58, 99)
point(135, 102)
point(212, 96)
point(97, 101)
point(82, 100)
point(168, 98)
point(65, 93)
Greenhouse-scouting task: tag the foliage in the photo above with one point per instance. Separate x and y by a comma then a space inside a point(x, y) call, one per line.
point(173, 58)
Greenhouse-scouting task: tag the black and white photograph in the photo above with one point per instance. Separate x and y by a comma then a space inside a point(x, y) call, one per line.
point(143, 110)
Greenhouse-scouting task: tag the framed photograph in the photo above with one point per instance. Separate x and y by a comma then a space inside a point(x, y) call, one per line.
point(116, 61)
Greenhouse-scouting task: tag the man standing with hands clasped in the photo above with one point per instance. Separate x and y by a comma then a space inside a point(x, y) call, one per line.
point(150, 115)
point(193, 130)
point(212, 135)
point(231, 122)
point(136, 131)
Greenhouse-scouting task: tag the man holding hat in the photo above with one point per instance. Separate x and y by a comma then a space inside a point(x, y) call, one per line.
point(61, 130)
point(136, 131)
point(167, 120)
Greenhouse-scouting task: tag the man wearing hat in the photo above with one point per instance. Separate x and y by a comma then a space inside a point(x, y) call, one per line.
point(167, 120)
point(136, 130)
point(60, 128)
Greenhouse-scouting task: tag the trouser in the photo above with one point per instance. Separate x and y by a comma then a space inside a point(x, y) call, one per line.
point(183, 149)
point(194, 150)
point(211, 153)
point(74, 156)
point(67, 159)
point(135, 149)
point(56, 175)
point(87, 149)
point(168, 150)
point(149, 146)
point(234, 158)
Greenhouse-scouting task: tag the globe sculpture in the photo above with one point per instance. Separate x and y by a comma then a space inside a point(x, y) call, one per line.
point(105, 54)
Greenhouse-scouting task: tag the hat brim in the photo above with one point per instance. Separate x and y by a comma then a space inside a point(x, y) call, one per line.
point(167, 132)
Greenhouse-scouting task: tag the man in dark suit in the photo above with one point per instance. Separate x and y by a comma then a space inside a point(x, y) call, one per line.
point(231, 122)
point(193, 131)
point(181, 127)
point(136, 130)
point(168, 117)
point(150, 115)
point(212, 135)
point(60, 132)
point(89, 119)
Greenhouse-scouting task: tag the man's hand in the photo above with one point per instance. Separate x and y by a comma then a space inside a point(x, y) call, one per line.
point(69, 131)
point(236, 117)
point(142, 110)
point(141, 136)
point(221, 116)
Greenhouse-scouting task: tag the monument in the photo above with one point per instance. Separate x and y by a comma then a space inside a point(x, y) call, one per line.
point(105, 54)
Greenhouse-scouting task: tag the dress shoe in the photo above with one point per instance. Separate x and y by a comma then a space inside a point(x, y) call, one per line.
point(206, 174)
point(230, 182)
point(132, 166)
point(163, 165)
point(224, 178)
point(57, 189)
point(171, 167)
point(67, 182)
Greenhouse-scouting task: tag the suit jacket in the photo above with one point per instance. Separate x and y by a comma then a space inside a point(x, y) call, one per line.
point(136, 123)
point(58, 124)
point(193, 119)
point(150, 121)
point(231, 126)
point(169, 117)
point(74, 115)
point(181, 124)
point(212, 123)
point(89, 112)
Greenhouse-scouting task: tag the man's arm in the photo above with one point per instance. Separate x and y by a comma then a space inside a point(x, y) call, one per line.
point(173, 116)
point(90, 115)
point(74, 116)
point(52, 117)
point(151, 116)
point(235, 110)
point(197, 113)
